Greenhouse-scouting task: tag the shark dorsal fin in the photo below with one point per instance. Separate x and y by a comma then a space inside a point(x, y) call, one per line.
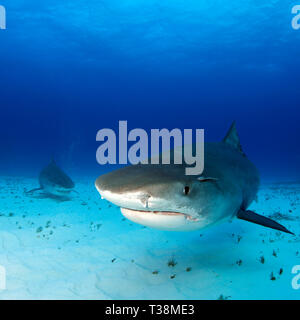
point(232, 138)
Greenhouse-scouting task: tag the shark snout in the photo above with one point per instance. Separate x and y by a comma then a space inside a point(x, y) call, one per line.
point(123, 192)
point(134, 199)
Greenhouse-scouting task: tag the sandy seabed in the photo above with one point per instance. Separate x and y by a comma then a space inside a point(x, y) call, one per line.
point(85, 249)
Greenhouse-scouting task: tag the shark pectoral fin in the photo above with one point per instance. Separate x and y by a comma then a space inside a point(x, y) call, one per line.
point(263, 221)
point(33, 190)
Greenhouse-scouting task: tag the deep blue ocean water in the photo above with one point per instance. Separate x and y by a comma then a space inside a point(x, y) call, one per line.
point(70, 68)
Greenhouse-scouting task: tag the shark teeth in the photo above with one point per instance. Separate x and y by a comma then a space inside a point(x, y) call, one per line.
point(164, 213)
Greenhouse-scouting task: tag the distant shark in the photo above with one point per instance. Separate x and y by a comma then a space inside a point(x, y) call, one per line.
point(163, 197)
point(54, 182)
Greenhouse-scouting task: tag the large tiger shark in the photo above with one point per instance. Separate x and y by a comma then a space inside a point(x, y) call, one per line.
point(163, 197)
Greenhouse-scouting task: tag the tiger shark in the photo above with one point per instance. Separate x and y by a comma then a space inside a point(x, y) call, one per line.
point(161, 196)
point(54, 182)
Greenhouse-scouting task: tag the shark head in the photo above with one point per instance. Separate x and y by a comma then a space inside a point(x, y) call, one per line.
point(162, 196)
point(54, 181)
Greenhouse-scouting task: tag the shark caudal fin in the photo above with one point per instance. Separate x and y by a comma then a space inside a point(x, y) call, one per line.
point(261, 220)
point(232, 138)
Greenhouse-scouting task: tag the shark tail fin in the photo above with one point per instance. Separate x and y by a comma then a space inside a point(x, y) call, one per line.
point(261, 220)
point(232, 138)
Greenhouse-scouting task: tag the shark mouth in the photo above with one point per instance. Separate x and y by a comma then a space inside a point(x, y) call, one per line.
point(162, 220)
point(126, 211)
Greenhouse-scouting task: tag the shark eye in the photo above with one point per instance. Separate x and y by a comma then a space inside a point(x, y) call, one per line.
point(186, 190)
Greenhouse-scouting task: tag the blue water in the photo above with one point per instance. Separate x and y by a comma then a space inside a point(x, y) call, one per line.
point(71, 68)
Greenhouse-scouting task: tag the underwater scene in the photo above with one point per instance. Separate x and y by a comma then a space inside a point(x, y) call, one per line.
point(94, 95)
